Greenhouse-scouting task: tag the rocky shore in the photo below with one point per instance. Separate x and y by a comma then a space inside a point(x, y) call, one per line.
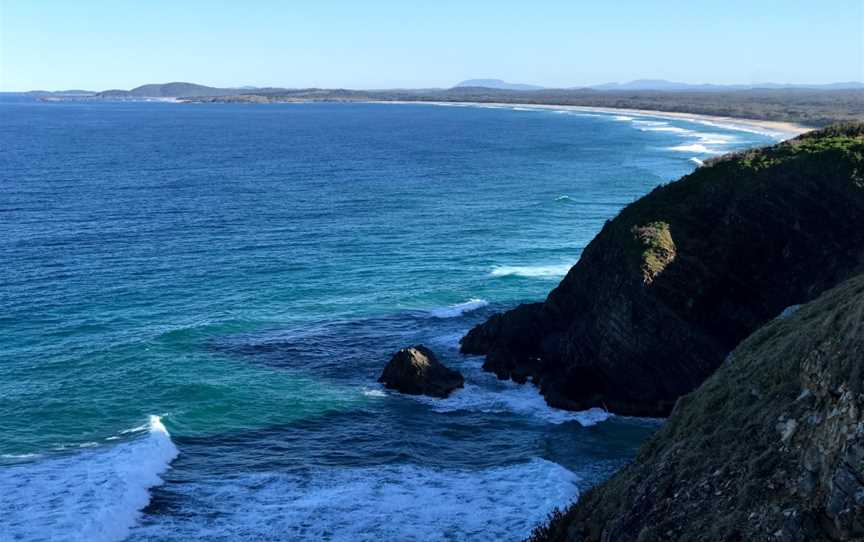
point(771, 447)
point(680, 277)
point(416, 371)
point(733, 298)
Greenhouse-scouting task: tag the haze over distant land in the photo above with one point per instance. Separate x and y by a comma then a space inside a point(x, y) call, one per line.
point(662, 84)
point(497, 83)
point(803, 105)
point(181, 89)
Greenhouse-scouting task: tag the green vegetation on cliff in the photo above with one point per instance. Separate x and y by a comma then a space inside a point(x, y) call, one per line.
point(681, 276)
point(769, 448)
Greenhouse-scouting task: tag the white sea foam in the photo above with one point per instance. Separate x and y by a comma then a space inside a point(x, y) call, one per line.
point(622, 118)
point(95, 494)
point(386, 502)
point(697, 161)
point(532, 271)
point(18, 457)
point(508, 396)
point(701, 142)
point(374, 392)
point(726, 125)
point(672, 129)
point(695, 147)
point(640, 122)
point(459, 309)
point(484, 392)
point(564, 198)
point(774, 134)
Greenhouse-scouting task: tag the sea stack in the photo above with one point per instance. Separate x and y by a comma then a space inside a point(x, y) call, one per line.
point(681, 276)
point(417, 371)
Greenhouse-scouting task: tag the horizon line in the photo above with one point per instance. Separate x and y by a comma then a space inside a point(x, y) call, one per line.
point(539, 86)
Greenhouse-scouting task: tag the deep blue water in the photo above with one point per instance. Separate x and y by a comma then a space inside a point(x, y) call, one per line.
point(198, 299)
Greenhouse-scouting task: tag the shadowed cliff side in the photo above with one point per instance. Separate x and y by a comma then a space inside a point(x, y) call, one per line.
point(680, 277)
point(771, 447)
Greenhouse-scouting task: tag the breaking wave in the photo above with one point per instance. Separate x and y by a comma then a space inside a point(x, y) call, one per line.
point(94, 495)
point(522, 399)
point(389, 502)
point(459, 309)
point(532, 271)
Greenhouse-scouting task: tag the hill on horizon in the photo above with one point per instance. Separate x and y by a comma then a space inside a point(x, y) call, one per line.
point(663, 85)
point(497, 84)
point(178, 89)
point(169, 90)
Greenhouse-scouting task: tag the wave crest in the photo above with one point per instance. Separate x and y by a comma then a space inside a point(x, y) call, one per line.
point(95, 495)
point(532, 271)
point(521, 399)
point(459, 309)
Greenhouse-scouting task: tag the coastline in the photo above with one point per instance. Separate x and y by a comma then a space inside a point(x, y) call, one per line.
point(778, 129)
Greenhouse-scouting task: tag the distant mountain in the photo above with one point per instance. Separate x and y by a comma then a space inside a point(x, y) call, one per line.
point(847, 85)
point(811, 106)
point(663, 85)
point(648, 84)
point(168, 90)
point(184, 90)
point(192, 90)
point(172, 90)
point(496, 83)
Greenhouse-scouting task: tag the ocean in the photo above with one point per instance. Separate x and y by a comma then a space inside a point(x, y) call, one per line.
point(198, 300)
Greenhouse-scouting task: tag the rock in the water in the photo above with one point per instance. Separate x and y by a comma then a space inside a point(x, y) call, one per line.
point(680, 277)
point(771, 447)
point(416, 371)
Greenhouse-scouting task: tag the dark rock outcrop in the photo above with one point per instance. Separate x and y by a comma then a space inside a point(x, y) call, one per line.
point(771, 447)
point(680, 277)
point(416, 371)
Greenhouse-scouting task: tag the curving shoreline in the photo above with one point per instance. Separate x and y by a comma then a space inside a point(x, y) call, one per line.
point(779, 129)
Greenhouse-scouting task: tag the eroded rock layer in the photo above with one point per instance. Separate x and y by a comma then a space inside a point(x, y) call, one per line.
point(771, 447)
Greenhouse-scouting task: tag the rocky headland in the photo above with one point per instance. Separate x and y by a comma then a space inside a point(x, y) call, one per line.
point(771, 447)
point(698, 286)
point(679, 278)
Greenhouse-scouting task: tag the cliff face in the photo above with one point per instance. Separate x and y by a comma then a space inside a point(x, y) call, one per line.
point(680, 277)
point(771, 447)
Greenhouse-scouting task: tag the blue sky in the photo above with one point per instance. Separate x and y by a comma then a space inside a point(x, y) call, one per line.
point(385, 44)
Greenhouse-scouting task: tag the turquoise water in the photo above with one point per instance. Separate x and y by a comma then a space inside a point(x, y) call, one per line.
point(198, 300)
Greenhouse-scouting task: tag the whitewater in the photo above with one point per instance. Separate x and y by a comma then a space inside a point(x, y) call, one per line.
point(196, 316)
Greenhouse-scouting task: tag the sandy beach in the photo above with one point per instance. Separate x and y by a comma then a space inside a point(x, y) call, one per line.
point(779, 130)
point(789, 129)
